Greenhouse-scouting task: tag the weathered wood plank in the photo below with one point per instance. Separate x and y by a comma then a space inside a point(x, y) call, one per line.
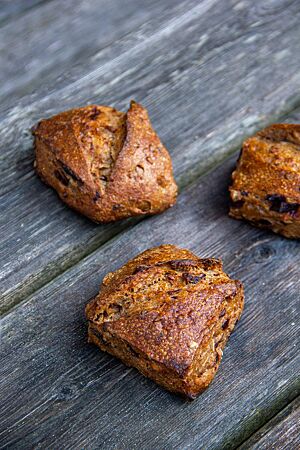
point(10, 10)
point(43, 62)
point(204, 95)
point(38, 50)
point(59, 392)
point(282, 432)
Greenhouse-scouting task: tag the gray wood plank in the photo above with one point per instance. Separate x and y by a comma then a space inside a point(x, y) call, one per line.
point(38, 50)
point(282, 432)
point(60, 392)
point(10, 10)
point(54, 54)
point(204, 92)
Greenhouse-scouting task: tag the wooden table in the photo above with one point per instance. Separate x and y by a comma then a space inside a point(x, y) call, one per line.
point(211, 73)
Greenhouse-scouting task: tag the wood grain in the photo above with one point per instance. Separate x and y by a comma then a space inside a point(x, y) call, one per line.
point(41, 64)
point(204, 95)
point(60, 392)
point(11, 10)
point(282, 432)
point(50, 46)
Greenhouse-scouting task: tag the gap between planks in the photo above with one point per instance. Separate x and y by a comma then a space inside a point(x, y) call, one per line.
point(279, 424)
point(50, 275)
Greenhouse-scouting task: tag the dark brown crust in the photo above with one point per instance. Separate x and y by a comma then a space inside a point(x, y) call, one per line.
point(105, 164)
point(266, 183)
point(169, 314)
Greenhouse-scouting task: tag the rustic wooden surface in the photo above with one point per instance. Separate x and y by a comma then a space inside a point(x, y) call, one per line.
point(204, 94)
point(12, 9)
point(281, 432)
point(210, 74)
point(85, 397)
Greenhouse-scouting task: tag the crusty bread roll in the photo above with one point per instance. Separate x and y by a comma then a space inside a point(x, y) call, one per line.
point(106, 164)
point(265, 186)
point(169, 314)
